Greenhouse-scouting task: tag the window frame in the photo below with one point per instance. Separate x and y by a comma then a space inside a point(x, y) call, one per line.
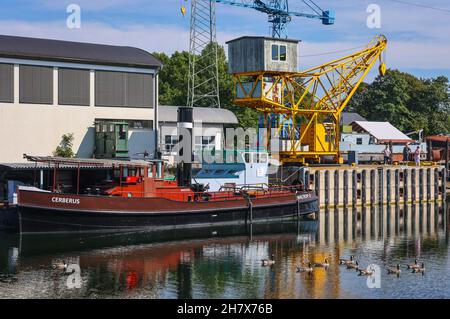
point(89, 97)
point(22, 99)
point(279, 57)
point(11, 99)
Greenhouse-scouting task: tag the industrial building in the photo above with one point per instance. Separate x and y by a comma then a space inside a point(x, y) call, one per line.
point(49, 88)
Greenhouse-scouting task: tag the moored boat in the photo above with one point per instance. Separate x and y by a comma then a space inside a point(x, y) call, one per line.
point(141, 198)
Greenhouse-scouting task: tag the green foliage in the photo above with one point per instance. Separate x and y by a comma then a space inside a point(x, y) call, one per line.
point(65, 147)
point(173, 83)
point(406, 101)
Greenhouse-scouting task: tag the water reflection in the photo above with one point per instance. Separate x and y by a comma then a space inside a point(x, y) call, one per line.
point(225, 261)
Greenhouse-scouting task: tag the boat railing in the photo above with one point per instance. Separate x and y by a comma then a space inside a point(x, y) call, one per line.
point(225, 193)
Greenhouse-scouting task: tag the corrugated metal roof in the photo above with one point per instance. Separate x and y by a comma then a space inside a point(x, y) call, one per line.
point(75, 52)
point(204, 114)
point(46, 162)
point(44, 166)
point(382, 131)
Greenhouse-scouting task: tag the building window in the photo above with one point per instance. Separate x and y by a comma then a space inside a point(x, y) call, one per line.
point(204, 142)
point(359, 141)
point(7, 83)
point(36, 84)
point(282, 53)
point(275, 53)
point(123, 89)
point(170, 142)
point(74, 87)
point(279, 52)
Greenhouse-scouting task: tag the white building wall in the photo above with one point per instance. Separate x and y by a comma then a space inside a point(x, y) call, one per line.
point(37, 129)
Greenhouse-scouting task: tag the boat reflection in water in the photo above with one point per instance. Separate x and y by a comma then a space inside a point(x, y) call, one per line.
point(225, 262)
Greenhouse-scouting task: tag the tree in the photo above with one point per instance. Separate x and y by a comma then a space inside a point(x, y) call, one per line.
point(64, 149)
point(409, 103)
point(173, 78)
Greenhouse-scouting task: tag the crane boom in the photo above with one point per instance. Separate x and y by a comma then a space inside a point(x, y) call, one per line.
point(263, 7)
point(309, 103)
point(279, 13)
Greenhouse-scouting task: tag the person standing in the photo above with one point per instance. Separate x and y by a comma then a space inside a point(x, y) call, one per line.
point(387, 155)
point(406, 153)
point(417, 156)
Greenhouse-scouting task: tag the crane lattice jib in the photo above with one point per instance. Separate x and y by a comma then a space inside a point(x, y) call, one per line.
point(280, 14)
point(309, 103)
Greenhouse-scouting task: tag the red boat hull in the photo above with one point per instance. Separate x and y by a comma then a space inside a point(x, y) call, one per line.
point(51, 212)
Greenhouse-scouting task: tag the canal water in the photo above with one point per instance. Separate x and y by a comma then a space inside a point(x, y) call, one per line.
point(225, 262)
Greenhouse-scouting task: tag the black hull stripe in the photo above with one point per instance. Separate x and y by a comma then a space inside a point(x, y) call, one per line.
point(137, 213)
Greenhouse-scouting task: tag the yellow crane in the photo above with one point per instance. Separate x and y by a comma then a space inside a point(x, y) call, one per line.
point(308, 104)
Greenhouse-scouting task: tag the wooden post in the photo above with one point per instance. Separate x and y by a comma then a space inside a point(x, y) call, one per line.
point(421, 185)
point(363, 187)
point(346, 189)
point(372, 187)
point(381, 186)
point(306, 180)
point(388, 187)
point(336, 188)
point(405, 187)
point(327, 188)
point(436, 184)
point(317, 186)
point(397, 186)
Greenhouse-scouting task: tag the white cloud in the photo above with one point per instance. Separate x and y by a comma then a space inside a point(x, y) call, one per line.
point(418, 38)
point(152, 37)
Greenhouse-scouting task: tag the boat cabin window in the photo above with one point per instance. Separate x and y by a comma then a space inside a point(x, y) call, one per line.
point(111, 128)
point(104, 128)
point(97, 128)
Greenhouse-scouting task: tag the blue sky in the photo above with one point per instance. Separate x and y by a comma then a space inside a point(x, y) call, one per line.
point(419, 37)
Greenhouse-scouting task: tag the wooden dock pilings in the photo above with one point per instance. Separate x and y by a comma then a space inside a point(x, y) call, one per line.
point(363, 186)
point(343, 225)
